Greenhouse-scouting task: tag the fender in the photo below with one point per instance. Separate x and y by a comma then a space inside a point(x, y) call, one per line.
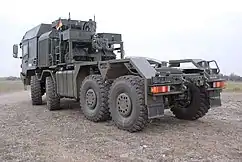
point(46, 73)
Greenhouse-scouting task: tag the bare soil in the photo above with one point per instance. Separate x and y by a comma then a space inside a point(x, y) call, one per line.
point(32, 133)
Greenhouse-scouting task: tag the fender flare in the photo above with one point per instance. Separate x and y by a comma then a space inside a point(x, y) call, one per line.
point(47, 73)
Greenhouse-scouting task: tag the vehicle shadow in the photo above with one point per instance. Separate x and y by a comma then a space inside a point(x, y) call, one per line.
point(66, 104)
point(155, 126)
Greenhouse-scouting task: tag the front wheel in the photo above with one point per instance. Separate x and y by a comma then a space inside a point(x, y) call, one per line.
point(36, 90)
point(127, 103)
point(52, 98)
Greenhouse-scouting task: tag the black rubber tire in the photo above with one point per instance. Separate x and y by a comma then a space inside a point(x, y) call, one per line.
point(36, 90)
point(198, 107)
point(133, 86)
point(43, 92)
point(43, 88)
point(52, 99)
point(100, 112)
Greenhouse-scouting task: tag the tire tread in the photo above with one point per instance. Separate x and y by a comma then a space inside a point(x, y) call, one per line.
point(53, 100)
point(104, 113)
point(141, 122)
point(36, 91)
point(200, 108)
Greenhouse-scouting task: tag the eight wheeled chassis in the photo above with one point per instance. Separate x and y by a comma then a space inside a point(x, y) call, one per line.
point(68, 59)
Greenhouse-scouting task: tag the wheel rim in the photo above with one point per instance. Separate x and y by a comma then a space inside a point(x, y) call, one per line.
point(91, 99)
point(124, 105)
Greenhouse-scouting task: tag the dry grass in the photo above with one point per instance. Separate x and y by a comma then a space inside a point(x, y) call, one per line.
point(7, 86)
point(233, 86)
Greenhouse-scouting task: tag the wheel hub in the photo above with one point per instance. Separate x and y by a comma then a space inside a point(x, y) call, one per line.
point(124, 104)
point(91, 99)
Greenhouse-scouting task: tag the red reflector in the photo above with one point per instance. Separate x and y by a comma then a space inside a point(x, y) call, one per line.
point(218, 84)
point(160, 89)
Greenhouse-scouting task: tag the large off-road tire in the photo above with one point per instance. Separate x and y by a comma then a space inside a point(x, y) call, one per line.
point(43, 88)
point(127, 103)
point(36, 90)
point(94, 98)
point(52, 98)
point(198, 106)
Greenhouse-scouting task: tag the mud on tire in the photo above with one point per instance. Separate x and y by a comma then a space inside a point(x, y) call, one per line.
point(52, 99)
point(127, 103)
point(36, 91)
point(94, 98)
point(198, 106)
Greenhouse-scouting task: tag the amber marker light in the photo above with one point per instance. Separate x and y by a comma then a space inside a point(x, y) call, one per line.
point(160, 89)
point(220, 84)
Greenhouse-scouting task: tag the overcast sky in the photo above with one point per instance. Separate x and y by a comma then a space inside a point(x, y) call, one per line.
point(160, 29)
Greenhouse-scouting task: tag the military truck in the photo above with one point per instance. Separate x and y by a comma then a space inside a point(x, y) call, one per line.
point(69, 59)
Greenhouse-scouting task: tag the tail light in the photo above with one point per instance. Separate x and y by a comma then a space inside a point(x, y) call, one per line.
point(220, 84)
point(160, 89)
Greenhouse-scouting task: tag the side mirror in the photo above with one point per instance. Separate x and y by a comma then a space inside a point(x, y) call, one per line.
point(15, 51)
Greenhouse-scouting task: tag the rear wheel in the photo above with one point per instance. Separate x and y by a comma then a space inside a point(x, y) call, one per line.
point(127, 103)
point(195, 106)
point(52, 98)
point(36, 91)
point(93, 98)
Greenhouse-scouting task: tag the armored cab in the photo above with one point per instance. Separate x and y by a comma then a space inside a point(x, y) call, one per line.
point(30, 48)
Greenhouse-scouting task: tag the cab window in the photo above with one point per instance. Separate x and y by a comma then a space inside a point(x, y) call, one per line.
point(25, 49)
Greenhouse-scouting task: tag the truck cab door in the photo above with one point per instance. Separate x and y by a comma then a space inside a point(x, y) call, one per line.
point(25, 57)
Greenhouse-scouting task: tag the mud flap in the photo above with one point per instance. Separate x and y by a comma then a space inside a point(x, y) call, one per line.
point(215, 98)
point(25, 87)
point(155, 107)
point(23, 78)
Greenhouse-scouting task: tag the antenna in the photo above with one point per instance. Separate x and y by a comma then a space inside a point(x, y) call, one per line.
point(69, 16)
point(94, 17)
point(69, 20)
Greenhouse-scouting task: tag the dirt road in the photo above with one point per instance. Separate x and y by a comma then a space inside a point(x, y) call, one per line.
point(32, 133)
